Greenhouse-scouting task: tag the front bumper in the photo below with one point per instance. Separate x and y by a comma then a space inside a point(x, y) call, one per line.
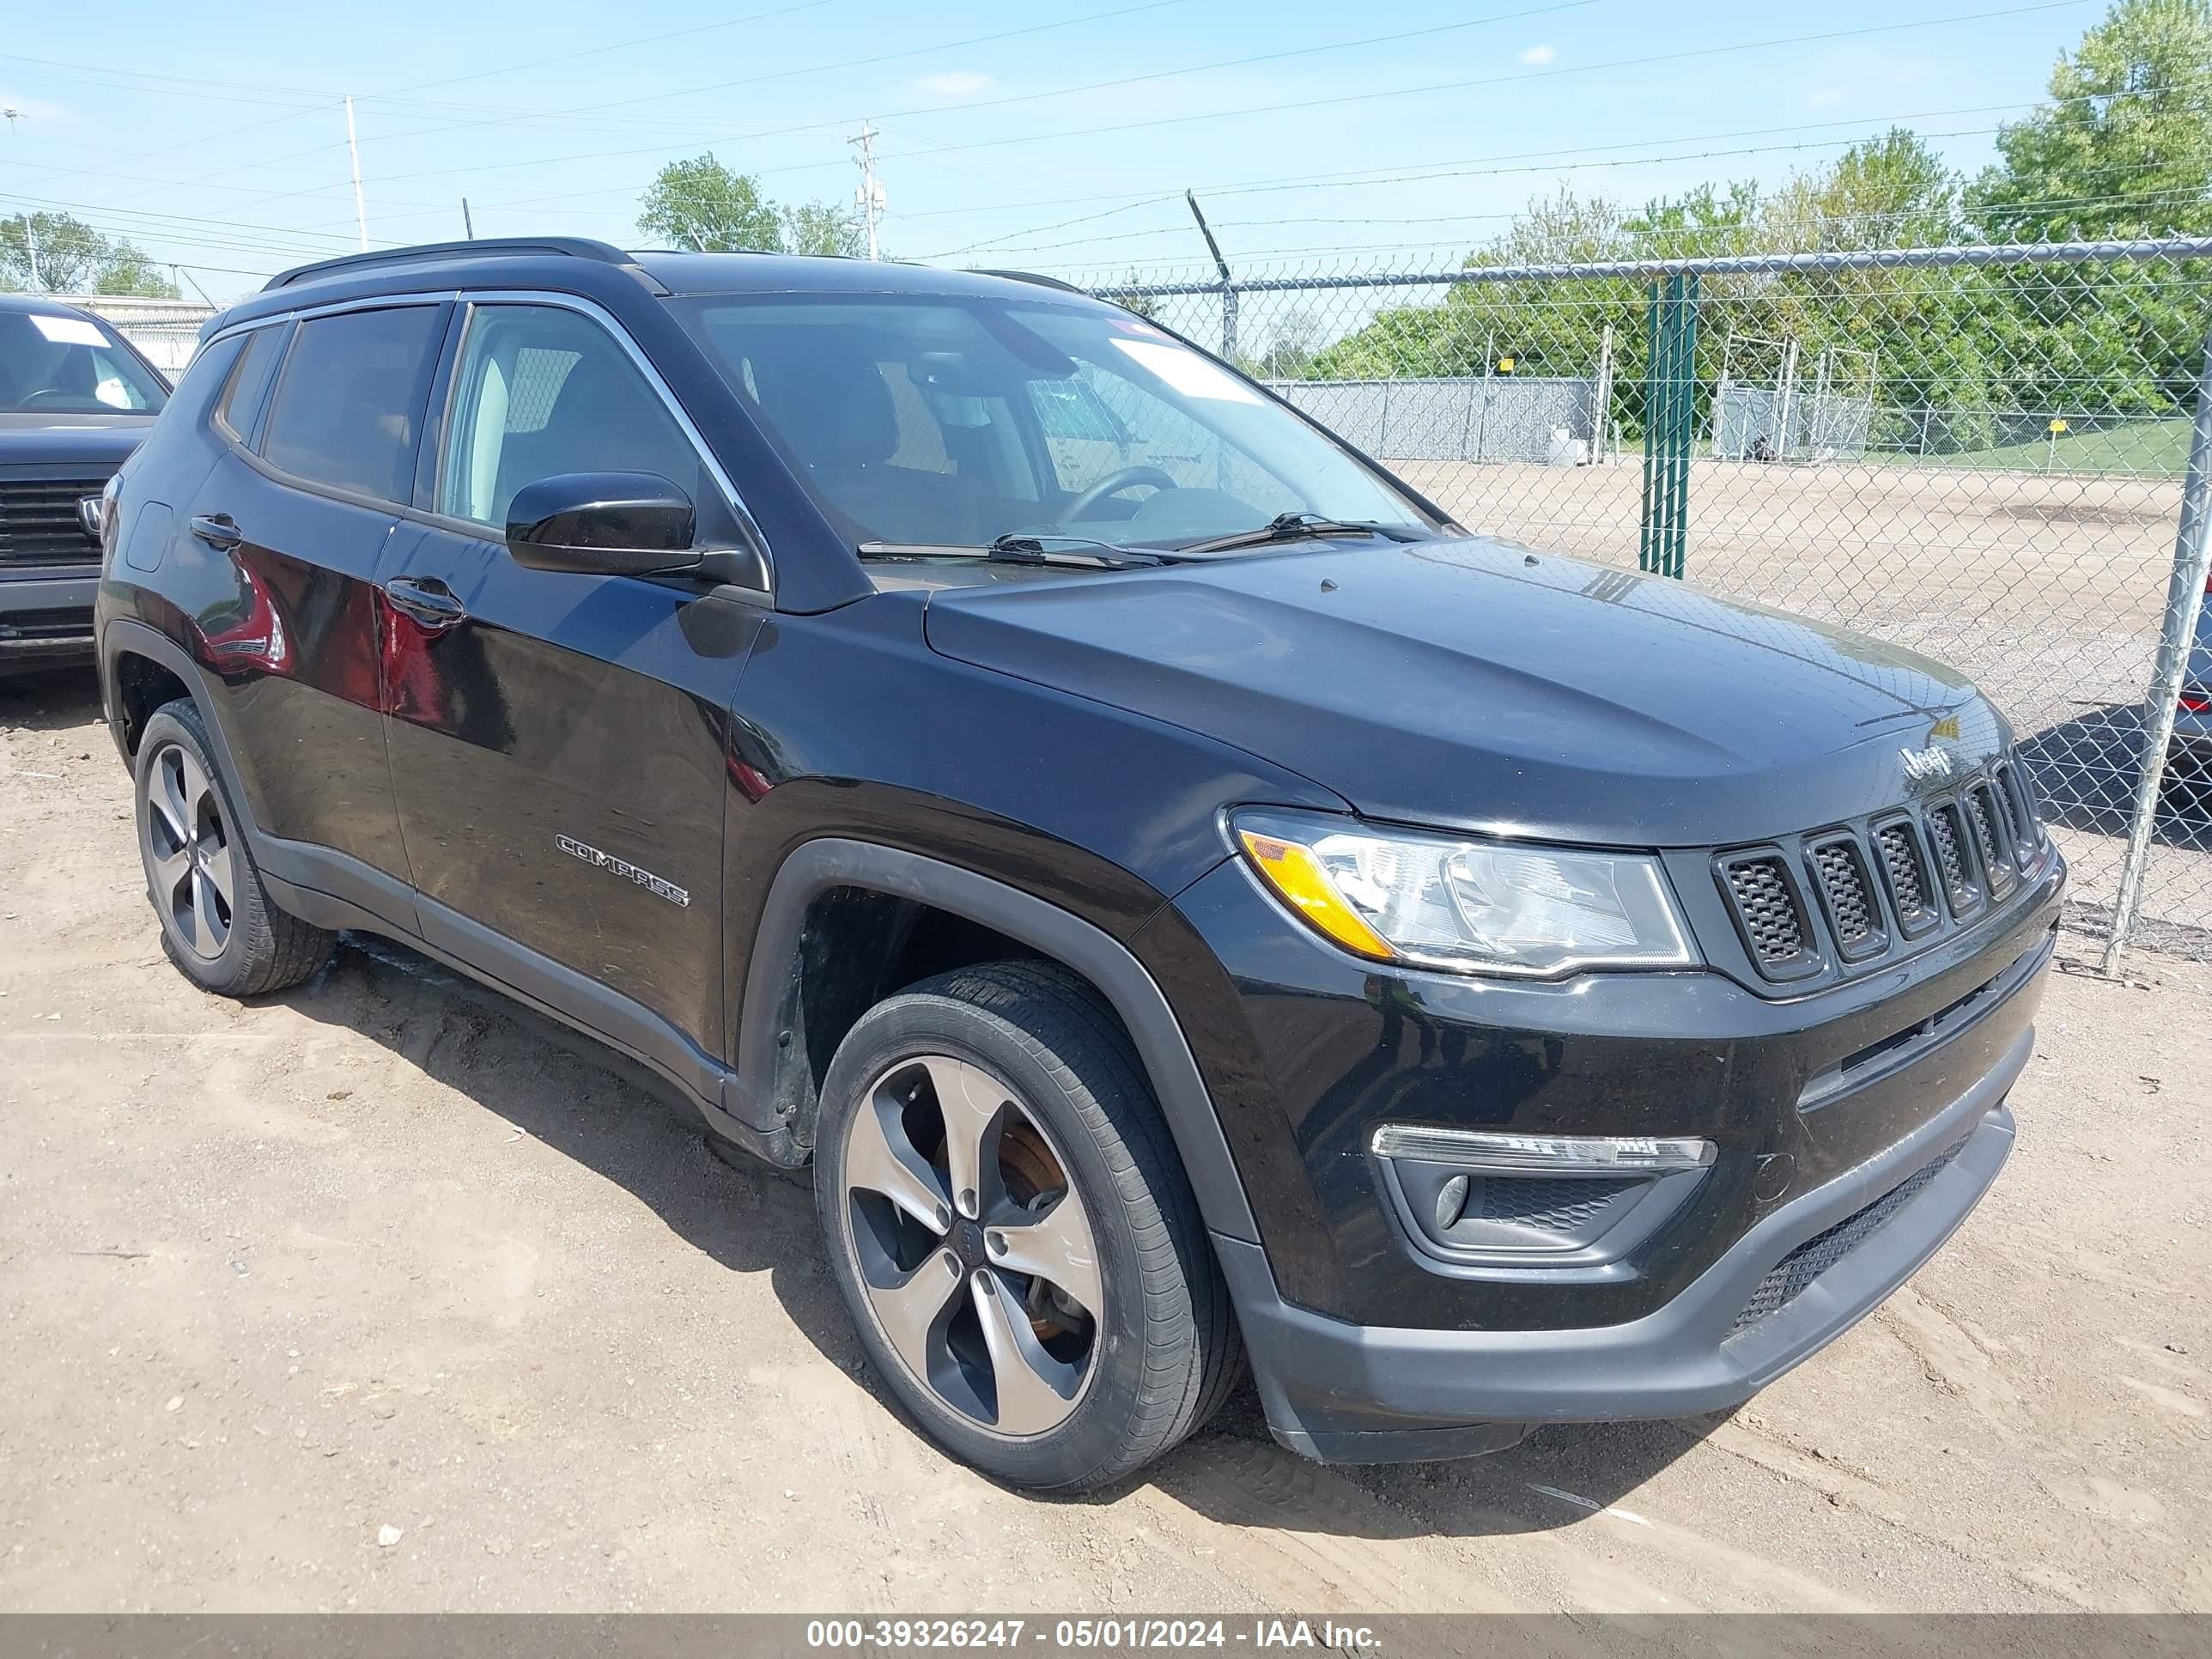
point(1357, 1394)
point(1854, 1129)
point(46, 618)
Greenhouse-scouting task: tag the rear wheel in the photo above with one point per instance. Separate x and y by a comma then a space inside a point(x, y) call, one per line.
point(1013, 1232)
point(219, 925)
point(2185, 792)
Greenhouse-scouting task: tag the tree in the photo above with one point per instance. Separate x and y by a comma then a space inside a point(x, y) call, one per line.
point(1927, 331)
point(1143, 305)
point(1890, 192)
point(1292, 351)
point(816, 227)
point(2124, 149)
point(701, 205)
point(55, 253)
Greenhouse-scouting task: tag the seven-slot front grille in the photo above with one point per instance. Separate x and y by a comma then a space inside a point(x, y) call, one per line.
point(1854, 912)
point(1903, 876)
point(1952, 859)
point(1989, 839)
point(1769, 910)
point(2013, 785)
point(1908, 877)
point(39, 522)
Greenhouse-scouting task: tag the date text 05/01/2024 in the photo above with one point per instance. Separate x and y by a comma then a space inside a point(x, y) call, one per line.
point(1083, 1634)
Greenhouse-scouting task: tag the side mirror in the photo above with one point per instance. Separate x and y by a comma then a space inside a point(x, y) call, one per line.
point(606, 524)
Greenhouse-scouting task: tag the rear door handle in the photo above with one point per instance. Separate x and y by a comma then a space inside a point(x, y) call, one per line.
point(425, 599)
point(218, 531)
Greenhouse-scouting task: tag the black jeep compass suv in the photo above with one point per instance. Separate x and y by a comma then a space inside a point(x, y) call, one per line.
point(1186, 897)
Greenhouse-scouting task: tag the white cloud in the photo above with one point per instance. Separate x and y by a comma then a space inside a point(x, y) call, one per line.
point(1537, 57)
point(1827, 98)
point(953, 84)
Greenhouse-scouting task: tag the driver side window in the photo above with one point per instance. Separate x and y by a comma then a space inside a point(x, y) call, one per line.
point(541, 391)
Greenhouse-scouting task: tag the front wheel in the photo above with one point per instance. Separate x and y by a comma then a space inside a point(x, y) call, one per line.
point(1012, 1232)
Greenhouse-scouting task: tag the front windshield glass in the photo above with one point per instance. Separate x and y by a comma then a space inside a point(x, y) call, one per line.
point(939, 421)
point(58, 365)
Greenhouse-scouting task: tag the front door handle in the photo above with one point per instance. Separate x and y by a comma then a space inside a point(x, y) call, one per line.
point(218, 531)
point(425, 599)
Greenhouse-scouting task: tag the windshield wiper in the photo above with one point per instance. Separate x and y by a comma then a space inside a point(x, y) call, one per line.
point(1297, 526)
point(1070, 552)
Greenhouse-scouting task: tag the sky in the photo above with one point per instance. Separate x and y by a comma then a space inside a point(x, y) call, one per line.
point(1057, 136)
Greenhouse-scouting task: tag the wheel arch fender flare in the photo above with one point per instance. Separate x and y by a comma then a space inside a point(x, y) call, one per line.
point(122, 637)
point(816, 866)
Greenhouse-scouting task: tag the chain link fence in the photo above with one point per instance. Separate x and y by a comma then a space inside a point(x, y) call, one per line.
point(1978, 454)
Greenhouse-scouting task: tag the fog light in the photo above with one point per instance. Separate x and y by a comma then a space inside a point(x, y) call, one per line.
point(1477, 1149)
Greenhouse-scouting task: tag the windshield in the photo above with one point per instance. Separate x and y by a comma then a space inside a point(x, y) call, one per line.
point(939, 421)
point(54, 365)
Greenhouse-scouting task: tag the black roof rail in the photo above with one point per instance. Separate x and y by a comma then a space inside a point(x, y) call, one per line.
point(1042, 282)
point(576, 247)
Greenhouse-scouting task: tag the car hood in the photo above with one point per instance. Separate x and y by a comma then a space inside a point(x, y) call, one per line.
point(89, 440)
point(1474, 683)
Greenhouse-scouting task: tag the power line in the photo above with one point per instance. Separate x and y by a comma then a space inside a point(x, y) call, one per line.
point(322, 100)
point(932, 110)
point(1357, 178)
point(816, 69)
point(1485, 167)
point(109, 218)
point(1299, 106)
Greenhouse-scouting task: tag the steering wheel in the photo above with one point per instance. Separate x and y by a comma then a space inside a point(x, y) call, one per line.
point(46, 393)
point(1121, 478)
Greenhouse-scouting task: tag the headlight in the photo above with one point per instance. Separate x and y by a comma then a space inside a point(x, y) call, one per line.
point(1474, 906)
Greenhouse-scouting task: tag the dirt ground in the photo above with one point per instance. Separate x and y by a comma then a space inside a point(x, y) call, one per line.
point(386, 1294)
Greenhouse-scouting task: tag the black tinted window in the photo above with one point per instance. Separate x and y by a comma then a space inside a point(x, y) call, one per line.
point(542, 390)
point(241, 398)
point(350, 398)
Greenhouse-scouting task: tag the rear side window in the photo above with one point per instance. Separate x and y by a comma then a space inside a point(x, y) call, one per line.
point(242, 398)
point(349, 402)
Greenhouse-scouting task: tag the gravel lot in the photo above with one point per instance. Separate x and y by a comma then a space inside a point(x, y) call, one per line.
point(386, 1294)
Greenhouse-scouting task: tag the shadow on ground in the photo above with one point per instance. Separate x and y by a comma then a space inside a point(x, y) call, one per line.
point(2088, 770)
point(50, 700)
point(617, 1119)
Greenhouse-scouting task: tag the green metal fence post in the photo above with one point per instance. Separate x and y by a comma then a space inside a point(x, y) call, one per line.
point(1647, 534)
point(1671, 438)
point(1685, 421)
point(1670, 422)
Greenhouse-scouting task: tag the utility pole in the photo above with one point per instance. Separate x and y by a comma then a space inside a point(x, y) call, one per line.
point(31, 248)
point(353, 151)
point(468, 223)
point(870, 195)
point(1228, 288)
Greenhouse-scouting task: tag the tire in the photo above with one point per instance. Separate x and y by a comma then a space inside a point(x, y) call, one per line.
point(2185, 791)
point(239, 944)
point(1033, 1053)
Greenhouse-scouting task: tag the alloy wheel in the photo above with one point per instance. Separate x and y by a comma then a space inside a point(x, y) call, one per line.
point(977, 1256)
point(192, 863)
